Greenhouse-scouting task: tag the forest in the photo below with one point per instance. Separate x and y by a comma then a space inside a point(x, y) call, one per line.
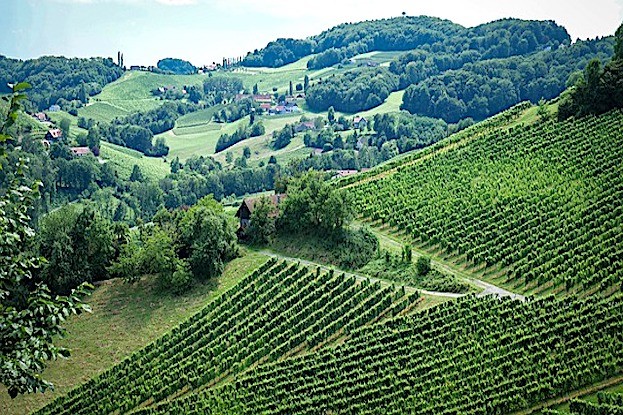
point(491, 40)
point(58, 80)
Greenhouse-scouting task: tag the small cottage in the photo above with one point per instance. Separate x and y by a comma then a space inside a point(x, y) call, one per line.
point(248, 205)
point(80, 151)
point(359, 122)
point(54, 134)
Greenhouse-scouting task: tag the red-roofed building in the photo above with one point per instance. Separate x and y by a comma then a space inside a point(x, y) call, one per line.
point(40, 116)
point(263, 98)
point(80, 151)
point(54, 134)
point(304, 126)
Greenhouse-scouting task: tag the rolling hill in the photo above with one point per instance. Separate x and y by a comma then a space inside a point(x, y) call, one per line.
point(532, 207)
point(325, 343)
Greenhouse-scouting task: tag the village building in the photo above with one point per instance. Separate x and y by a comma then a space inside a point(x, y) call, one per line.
point(360, 122)
point(304, 126)
point(263, 98)
point(248, 205)
point(80, 151)
point(54, 108)
point(54, 134)
point(41, 116)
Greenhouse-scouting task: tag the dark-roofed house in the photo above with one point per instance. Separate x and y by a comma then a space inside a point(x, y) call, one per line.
point(246, 209)
point(54, 134)
point(360, 122)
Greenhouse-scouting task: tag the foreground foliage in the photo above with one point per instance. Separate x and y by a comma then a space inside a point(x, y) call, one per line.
point(30, 316)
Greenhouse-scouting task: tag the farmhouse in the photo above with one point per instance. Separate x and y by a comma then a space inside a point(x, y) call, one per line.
point(54, 134)
point(40, 116)
point(304, 126)
point(80, 151)
point(54, 108)
point(359, 122)
point(246, 209)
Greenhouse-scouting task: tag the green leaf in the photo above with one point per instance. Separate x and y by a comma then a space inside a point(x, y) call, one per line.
point(22, 86)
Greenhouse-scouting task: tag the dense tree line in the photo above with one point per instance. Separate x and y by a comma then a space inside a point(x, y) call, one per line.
point(31, 317)
point(242, 133)
point(214, 90)
point(497, 39)
point(283, 137)
point(480, 89)
point(180, 247)
point(410, 132)
point(279, 53)
point(200, 176)
point(236, 110)
point(597, 90)
point(58, 80)
point(176, 66)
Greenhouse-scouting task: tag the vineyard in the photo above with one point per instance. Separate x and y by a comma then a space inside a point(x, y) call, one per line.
point(541, 205)
point(607, 404)
point(472, 356)
point(280, 309)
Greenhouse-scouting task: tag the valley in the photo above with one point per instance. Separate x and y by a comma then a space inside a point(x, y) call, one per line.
point(401, 215)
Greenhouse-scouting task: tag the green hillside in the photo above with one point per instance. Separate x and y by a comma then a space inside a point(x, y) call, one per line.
point(124, 160)
point(279, 309)
point(131, 93)
point(535, 208)
point(472, 356)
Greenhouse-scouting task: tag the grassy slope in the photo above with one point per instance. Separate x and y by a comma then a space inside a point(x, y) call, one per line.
point(124, 160)
point(124, 319)
point(74, 130)
point(131, 93)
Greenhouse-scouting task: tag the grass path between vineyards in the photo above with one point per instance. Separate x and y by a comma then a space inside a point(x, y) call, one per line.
point(360, 277)
point(447, 268)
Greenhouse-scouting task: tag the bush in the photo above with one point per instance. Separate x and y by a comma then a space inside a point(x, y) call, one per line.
point(423, 266)
point(179, 281)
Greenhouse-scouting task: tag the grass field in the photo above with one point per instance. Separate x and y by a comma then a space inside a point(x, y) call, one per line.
point(391, 104)
point(592, 397)
point(74, 130)
point(188, 138)
point(197, 118)
point(132, 92)
point(102, 112)
point(125, 318)
point(124, 160)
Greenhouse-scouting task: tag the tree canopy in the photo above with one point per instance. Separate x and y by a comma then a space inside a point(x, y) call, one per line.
point(176, 66)
point(313, 205)
point(58, 80)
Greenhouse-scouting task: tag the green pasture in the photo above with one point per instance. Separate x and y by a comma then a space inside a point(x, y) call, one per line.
point(124, 160)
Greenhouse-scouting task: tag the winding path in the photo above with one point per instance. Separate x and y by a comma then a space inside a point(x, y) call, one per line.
point(360, 277)
point(488, 289)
